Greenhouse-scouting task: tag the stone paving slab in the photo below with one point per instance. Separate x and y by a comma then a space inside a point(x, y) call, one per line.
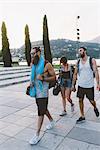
point(93, 147)
point(13, 144)
point(26, 113)
point(4, 101)
point(3, 138)
point(89, 125)
point(71, 144)
point(26, 134)
point(25, 122)
point(11, 130)
point(50, 141)
point(4, 124)
point(5, 110)
point(19, 122)
point(16, 104)
point(89, 136)
point(90, 115)
point(11, 119)
point(63, 127)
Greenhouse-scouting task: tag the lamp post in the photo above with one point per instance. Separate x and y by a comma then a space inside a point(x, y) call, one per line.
point(78, 34)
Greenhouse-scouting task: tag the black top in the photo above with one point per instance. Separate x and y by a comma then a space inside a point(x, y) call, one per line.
point(65, 74)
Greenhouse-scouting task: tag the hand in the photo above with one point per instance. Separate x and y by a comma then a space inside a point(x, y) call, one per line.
point(39, 77)
point(98, 87)
point(73, 89)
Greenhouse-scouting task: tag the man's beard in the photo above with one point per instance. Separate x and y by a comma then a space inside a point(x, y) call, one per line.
point(82, 55)
point(36, 60)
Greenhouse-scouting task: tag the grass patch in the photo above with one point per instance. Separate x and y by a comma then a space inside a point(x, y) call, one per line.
point(56, 66)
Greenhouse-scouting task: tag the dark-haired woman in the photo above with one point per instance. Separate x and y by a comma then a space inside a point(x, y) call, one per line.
point(65, 77)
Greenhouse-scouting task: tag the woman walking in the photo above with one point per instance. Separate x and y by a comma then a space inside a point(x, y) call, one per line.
point(65, 78)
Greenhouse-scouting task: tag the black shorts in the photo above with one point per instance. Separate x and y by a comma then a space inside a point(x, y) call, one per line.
point(89, 92)
point(42, 104)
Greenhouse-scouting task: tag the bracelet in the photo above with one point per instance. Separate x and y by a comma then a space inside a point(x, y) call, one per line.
point(42, 78)
point(45, 79)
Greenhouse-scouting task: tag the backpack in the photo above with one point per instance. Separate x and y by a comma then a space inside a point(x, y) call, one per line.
point(90, 62)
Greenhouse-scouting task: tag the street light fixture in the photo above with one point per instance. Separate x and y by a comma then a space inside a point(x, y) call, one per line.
point(78, 34)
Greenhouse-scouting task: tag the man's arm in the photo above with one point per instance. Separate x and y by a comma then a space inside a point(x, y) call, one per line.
point(51, 72)
point(48, 70)
point(74, 78)
point(95, 70)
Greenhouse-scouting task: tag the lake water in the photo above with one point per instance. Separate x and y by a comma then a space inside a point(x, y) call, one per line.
point(56, 62)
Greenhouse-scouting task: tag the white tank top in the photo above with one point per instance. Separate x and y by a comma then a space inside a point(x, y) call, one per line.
point(85, 75)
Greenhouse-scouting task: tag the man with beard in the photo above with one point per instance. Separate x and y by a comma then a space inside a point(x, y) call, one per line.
point(41, 83)
point(85, 70)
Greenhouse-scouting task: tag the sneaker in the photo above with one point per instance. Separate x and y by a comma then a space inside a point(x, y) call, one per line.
point(63, 113)
point(50, 125)
point(96, 112)
point(72, 107)
point(80, 120)
point(35, 139)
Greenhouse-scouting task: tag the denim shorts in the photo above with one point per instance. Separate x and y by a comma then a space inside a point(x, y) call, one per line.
point(67, 83)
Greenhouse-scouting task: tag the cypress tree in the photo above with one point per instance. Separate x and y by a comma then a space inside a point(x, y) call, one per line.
point(0, 53)
point(27, 45)
point(7, 59)
point(46, 43)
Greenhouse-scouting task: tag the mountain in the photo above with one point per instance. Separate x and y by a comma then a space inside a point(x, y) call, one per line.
point(63, 47)
point(95, 40)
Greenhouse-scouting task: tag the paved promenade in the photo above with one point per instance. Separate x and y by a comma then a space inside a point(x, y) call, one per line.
point(18, 115)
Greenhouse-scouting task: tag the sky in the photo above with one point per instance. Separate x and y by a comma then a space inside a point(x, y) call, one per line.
point(61, 16)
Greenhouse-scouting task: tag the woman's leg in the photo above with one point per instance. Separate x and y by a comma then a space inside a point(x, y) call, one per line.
point(68, 95)
point(63, 98)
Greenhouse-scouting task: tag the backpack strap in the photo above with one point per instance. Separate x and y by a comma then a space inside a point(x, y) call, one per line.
point(71, 71)
point(46, 61)
point(90, 61)
point(78, 65)
point(91, 66)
